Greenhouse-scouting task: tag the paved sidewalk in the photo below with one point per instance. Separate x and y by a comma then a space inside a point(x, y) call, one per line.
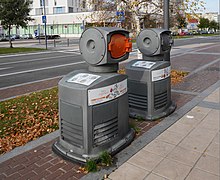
point(194, 123)
point(189, 149)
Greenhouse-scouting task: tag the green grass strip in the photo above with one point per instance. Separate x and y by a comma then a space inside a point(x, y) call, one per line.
point(4, 50)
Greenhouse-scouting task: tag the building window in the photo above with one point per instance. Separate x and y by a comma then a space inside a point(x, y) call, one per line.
point(42, 2)
point(39, 11)
point(84, 4)
point(70, 9)
point(58, 10)
point(95, 8)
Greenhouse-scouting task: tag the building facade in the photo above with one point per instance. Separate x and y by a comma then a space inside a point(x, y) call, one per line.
point(63, 17)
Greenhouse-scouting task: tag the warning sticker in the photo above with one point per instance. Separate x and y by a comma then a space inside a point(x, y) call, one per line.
point(107, 93)
point(144, 64)
point(161, 74)
point(83, 78)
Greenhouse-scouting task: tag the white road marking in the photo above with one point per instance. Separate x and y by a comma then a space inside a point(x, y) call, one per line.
point(27, 54)
point(39, 59)
point(40, 69)
point(5, 68)
point(69, 52)
point(34, 53)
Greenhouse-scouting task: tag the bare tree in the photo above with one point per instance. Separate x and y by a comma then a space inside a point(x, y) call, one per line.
point(140, 14)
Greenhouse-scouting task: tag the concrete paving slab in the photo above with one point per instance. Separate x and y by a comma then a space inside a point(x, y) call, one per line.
point(181, 128)
point(184, 156)
point(211, 121)
point(145, 160)
point(172, 169)
point(171, 137)
point(209, 164)
point(159, 147)
point(198, 139)
point(213, 150)
point(214, 97)
point(197, 174)
point(217, 138)
point(192, 119)
point(129, 172)
point(153, 176)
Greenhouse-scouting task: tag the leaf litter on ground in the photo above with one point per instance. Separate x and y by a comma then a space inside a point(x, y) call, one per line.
point(26, 118)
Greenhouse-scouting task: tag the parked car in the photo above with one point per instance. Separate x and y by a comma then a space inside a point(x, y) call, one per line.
point(26, 36)
point(211, 32)
point(182, 34)
point(15, 36)
point(6, 38)
point(12, 38)
point(54, 36)
point(2, 38)
point(194, 32)
point(174, 33)
point(203, 32)
point(188, 33)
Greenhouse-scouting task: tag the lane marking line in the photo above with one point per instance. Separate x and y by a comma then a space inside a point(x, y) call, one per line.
point(5, 68)
point(40, 69)
point(38, 59)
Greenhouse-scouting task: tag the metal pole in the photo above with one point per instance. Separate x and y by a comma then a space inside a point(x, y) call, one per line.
point(166, 14)
point(68, 42)
point(166, 18)
point(45, 25)
point(39, 33)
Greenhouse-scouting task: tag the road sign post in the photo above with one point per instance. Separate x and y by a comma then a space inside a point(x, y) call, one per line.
point(44, 19)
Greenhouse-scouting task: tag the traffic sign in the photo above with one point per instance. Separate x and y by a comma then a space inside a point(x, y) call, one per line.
point(120, 16)
point(120, 13)
point(44, 19)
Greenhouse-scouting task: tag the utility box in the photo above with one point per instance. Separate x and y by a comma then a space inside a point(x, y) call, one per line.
point(93, 103)
point(149, 82)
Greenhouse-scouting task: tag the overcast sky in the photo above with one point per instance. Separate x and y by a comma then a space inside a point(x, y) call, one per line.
point(212, 6)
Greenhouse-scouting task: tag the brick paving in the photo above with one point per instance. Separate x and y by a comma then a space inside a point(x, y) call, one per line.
point(201, 80)
point(39, 163)
point(190, 62)
point(42, 163)
point(25, 89)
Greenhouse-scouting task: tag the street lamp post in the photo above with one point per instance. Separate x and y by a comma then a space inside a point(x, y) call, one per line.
point(166, 14)
point(45, 24)
point(166, 18)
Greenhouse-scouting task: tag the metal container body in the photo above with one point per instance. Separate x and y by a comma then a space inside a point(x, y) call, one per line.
point(149, 89)
point(93, 117)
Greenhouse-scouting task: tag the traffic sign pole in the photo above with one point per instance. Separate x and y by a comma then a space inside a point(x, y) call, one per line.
point(45, 25)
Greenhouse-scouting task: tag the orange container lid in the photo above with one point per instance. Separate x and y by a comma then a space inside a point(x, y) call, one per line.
point(119, 45)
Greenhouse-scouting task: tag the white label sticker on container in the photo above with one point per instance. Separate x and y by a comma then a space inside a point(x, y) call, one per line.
point(161, 74)
point(144, 64)
point(83, 78)
point(107, 93)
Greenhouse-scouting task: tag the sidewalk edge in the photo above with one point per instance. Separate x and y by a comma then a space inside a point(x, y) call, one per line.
point(150, 135)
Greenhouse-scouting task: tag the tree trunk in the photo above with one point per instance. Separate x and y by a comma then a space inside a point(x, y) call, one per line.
point(138, 26)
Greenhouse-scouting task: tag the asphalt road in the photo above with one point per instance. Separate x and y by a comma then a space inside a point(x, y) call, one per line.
point(196, 40)
point(19, 69)
point(23, 69)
